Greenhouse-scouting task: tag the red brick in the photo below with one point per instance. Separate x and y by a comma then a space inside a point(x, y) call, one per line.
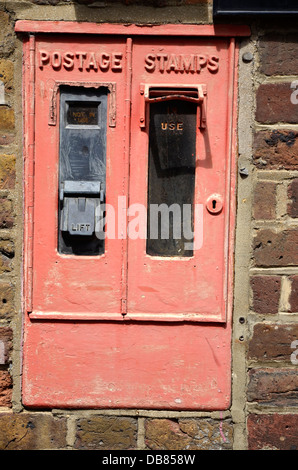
point(190, 434)
point(6, 138)
point(276, 248)
point(274, 150)
point(106, 433)
point(279, 54)
point(272, 342)
point(293, 195)
point(294, 294)
point(6, 300)
point(5, 344)
point(6, 34)
point(273, 104)
point(272, 432)
point(7, 171)
point(6, 255)
point(32, 431)
point(266, 293)
point(5, 388)
point(264, 204)
point(6, 74)
point(7, 119)
point(6, 213)
point(274, 387)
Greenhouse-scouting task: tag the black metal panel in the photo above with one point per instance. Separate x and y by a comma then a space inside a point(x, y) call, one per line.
point(82, 113)
point(254, 7)
point(83, 129)
point(171, 176)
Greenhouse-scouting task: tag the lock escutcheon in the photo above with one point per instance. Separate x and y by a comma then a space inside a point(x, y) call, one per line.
point(214, 204)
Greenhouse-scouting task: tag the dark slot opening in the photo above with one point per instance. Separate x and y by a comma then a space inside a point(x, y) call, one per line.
point(171, 177)
point(164, 91)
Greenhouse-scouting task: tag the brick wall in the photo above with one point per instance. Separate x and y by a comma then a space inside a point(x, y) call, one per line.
point(7, 206)
point(265, 414)
point(272, 369)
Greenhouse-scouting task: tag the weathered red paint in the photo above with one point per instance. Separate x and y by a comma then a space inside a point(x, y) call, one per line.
point(127, 365)
point(125, 329)
point(63, 27)
point(191, 288)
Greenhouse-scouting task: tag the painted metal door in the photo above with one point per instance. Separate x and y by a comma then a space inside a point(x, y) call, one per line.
point(191, 174)
point(63, 285)
point(145, 323)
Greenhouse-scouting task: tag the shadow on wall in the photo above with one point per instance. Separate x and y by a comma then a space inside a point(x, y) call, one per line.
point(97, 5)
point(109, 3)
point(137, 11)
point(156, 3)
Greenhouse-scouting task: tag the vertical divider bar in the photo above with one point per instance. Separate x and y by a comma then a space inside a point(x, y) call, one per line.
point(127, 129)
point(229, 206)
point(29, 148)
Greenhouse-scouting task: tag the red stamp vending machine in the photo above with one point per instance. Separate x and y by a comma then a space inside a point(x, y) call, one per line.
point(129, 190)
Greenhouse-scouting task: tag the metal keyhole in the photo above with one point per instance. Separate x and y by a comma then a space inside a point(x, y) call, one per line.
point(214, 204)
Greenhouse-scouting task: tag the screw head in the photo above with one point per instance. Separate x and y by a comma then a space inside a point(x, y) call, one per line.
point(243, 171)
point(247, 57)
